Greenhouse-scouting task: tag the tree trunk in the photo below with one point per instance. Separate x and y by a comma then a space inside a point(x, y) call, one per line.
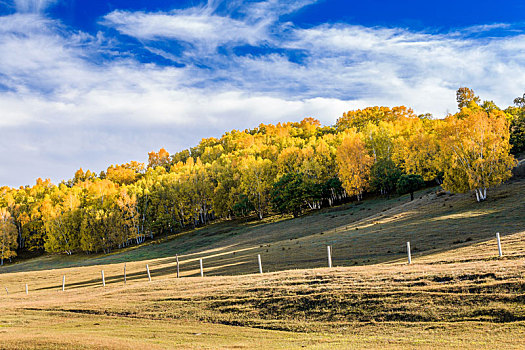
point(20, 240)
point(481, 194)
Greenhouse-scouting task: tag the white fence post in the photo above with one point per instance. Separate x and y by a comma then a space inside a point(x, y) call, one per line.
point(329, 250)
point(260, 263)
point(409, 254)
point(27, 290)
point(103, 279)
point(202, 271)
point(177, 257)
point(63, 283)
point(499, 245)
point(149, 275)
point(6, 290)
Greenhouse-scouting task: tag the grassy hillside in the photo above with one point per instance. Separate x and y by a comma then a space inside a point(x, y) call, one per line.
point(457, 294)
point(369, 232)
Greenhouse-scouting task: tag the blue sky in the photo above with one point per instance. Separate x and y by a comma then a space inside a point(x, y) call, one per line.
point(94, 83)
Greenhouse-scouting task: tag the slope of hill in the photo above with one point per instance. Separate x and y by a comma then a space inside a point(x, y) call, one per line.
point(369, 232)
point(372, 298)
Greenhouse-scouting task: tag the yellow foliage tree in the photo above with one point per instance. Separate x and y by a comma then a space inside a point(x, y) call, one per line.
point(360, 118)
point(476, 151)
point(354, 164)
point(256, 181)
point(416, 148)
point(62, 221)
point(8, 235)
point(121, 174)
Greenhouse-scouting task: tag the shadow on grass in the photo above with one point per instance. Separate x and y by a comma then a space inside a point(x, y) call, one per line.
point(215, 234)
point(368, 233)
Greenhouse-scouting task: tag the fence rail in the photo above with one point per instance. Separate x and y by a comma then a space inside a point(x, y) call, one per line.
point(329, 253)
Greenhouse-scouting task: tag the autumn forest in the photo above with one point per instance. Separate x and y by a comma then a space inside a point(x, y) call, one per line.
point(286, 168)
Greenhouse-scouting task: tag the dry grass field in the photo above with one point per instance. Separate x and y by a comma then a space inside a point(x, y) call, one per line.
point(457, 293)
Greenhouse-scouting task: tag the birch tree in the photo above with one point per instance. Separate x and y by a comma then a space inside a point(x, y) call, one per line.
point(476, 151)
point(257, 176)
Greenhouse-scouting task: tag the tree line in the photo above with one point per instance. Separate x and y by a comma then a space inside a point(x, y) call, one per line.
point(286, 168)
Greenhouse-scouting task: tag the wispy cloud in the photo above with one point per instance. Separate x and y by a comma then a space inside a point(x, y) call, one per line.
point(340, 60)
point(207, 27)
point(33, 6)
point(192, 26)
point(393, 64)
point(484, 28)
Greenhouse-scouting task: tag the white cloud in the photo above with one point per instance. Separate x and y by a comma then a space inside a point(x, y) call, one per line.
point(196, 27)
point(203, 27)
point(483, 28)
point(33, 6)
point(274, 8)
point(386, 65)
point(391, 65)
